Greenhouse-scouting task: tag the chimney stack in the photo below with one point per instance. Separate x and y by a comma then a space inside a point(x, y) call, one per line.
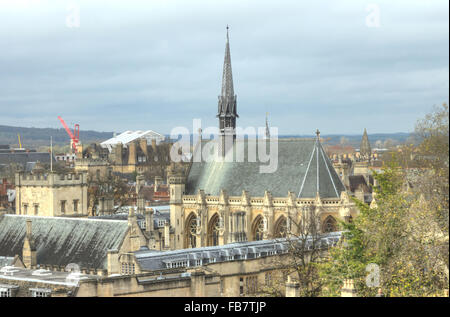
point(143, 145)
point(132, 153)
point(29, 247)
point(149, 220)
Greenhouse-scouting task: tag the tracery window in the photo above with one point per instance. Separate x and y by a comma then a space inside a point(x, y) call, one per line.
point(191, 232)
point(259, 228)
point(214, 230)
point(330, 224)
point(281, 228)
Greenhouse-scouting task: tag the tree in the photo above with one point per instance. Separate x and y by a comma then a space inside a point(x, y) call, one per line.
point(110, 186)
point(406, 231)
point(305, 252)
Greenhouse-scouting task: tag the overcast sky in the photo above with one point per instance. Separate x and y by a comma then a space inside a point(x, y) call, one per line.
point(340, 66)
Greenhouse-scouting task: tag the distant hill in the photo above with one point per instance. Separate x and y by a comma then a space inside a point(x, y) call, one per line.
point(35, 137)
point(355, 139)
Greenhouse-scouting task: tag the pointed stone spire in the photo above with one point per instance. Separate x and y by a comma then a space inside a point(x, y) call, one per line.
point(364, 150)
point(227, 78)
point(227, 109)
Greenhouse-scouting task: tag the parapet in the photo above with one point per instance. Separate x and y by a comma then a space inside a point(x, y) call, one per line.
point(50, 179)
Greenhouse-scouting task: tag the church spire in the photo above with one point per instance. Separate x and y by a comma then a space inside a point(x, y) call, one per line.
point(227, 78)
point(364, 150)
point(227, 111)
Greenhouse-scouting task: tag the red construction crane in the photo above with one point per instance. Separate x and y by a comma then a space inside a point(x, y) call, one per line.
point(75, 136)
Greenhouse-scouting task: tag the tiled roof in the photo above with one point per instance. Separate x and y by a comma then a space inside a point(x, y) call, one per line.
point(60, 241)
point(303, 168)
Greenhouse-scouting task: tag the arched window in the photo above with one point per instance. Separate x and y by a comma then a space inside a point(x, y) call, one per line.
point(280, 228)
point(213, 230)
point(258, 228)
point(191, 230)
point(329, 225)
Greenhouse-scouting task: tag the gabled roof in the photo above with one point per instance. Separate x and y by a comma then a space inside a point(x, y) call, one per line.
point(60, 241)
point(303, 168)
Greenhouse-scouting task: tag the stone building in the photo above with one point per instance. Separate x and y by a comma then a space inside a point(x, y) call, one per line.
point(240, 269)
point(51, 194)
point(92, 246)
point(225, 201)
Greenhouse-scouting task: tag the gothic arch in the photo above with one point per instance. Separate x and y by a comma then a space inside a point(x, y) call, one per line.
point(213, 230)
point(190, 230)
point(280, 228)
point(258, 228)
point(329, 224)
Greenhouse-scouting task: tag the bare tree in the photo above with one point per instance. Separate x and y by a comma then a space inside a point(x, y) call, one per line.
point(306, 250)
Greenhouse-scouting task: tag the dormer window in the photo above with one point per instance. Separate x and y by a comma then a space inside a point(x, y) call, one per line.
point(40, 292)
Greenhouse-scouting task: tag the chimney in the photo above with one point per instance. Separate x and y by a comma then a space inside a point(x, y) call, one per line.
point(131, 216)
point(154, 145)
point(132, 153)
point(157, 180)
point(143, 145)
point(149, 220)
point(166, 236)
point(118, 149)
point(29, 248)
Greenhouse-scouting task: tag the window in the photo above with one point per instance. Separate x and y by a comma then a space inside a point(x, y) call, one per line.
point(75, 205)
point(128, 268)
point(161, 223)
point(251, 283)
point(63, 206)
point(259, 228)
point(5, 292)
point(25, 209)
point(36, 209)
point(198, 262)
point(40, 292)
point(241, 286)
point(268, 278)
point(330, 224)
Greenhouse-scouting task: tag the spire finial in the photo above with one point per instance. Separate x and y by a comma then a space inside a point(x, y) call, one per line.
point(227, 32)
point(318, 133)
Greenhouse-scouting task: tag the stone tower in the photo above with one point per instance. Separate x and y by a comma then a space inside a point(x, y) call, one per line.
point(227, 109)
point(365, 151)
point(177, 182)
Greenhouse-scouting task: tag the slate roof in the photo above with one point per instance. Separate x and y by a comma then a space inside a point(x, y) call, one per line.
point(303, 168)
point(60, 241)
point(358, 181)
point(23, 158)
point(150, 260)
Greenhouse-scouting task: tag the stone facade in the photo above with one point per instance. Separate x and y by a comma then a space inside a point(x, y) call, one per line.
point(51, 194)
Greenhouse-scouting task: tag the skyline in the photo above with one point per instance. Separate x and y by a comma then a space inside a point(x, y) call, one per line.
point(381, 78)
